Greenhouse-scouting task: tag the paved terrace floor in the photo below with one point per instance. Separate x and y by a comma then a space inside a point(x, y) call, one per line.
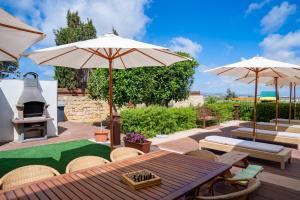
point(277, 184)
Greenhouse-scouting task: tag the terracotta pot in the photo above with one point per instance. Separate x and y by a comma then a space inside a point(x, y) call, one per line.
point(101, 135)
point(144, 147)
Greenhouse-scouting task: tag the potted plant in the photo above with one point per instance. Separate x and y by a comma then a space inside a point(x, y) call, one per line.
point(137, 141)
point(101, 135)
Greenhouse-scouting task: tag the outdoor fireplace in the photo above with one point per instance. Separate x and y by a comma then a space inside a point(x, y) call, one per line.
point(31, 122)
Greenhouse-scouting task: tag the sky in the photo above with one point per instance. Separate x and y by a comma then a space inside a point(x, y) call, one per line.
point(214, 32)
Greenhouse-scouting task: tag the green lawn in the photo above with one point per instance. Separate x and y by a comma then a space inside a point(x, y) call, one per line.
point(53, 155)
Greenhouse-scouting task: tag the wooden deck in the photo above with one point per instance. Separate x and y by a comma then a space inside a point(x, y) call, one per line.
point(277, 184)
point(180, 174)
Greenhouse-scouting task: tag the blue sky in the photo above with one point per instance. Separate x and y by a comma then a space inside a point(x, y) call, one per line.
point(215, 32)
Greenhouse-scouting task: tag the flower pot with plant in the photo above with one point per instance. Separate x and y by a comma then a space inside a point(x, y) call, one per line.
point(137, 141)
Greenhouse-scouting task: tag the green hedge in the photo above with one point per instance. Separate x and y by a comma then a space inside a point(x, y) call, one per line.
point(226, 108)
point(154, 120)
point(265, 111)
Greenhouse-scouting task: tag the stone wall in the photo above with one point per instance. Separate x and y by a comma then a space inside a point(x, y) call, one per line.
point(79, 108)
point(195, 99)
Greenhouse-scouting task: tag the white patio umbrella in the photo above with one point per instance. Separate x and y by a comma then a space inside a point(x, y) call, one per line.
point(257, 67)
point(15, 37)
point(108, 51)
point(277, 81)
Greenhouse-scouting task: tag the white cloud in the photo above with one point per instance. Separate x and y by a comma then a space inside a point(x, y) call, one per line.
point(186, 45)
point(49, 73)
point(256, 6)
point(277, 16)
point(282, 47)
point(127, 17)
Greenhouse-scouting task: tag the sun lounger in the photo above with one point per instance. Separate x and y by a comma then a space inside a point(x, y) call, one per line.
point(280, 127)
point(271, 152)
point(267, 135)
point(286, 121)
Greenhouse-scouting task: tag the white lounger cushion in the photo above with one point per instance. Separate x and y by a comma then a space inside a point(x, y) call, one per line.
point(260, 146)
point(273, 124)
point(268, 132)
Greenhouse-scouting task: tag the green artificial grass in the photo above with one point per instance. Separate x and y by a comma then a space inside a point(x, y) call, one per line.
point(53, 155)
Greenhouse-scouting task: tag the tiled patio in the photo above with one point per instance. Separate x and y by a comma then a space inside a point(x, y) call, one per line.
point(67, 131)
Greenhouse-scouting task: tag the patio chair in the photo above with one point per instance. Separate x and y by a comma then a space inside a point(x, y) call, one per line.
point(85, 162)
point(253, 184)
point(26, 174)
point(123, 153)
point(203, 154)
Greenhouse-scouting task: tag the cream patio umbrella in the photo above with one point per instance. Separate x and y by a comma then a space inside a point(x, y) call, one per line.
point(15, 37)
point(107, 51)
point(257, 67)
point(276, 81)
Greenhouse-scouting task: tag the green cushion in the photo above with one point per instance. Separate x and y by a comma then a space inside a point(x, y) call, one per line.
point(250, 172)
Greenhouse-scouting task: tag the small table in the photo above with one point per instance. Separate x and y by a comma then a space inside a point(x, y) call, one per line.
point(234, 158)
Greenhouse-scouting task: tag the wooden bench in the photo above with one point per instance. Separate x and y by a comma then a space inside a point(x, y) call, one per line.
point(205, 114)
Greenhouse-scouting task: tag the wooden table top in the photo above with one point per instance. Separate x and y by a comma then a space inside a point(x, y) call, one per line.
point(179, 173)
point(232, 157)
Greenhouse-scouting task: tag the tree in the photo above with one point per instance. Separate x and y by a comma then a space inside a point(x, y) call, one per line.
point(149, 85)
point(76, 30)
point(8, 69)
point(230, 94)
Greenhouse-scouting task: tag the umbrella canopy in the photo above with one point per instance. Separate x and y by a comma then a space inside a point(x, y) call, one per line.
point(265, 67)
point(96, 53)
point(255, 68)
point(15, 37)
point(108, 51)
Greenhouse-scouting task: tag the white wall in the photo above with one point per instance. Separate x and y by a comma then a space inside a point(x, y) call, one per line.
point(10, 91)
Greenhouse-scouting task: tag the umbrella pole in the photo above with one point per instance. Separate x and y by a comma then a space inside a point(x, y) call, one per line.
point(290, 108)
point(255, 102)
point(110, 104)
point(276, 101)
point(295, 100)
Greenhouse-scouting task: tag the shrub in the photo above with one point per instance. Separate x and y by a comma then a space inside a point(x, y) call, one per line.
point(264, 112)
point(154, 120)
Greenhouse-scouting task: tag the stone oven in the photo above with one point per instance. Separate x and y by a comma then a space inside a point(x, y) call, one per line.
point(31, 122)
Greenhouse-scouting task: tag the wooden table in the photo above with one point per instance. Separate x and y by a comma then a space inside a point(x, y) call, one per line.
point(234, 158)
point(180, 174)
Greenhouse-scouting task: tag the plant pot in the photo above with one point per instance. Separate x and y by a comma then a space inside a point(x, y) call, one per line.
point(144, 147)
point(101, 135)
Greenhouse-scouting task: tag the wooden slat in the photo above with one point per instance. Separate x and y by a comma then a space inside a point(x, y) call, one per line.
point(10, 195)
point(20, 194)
point(105, 188)
point(39, 193)
point(73, 189)
point(48, 191)
point(81, 188)
point(69, 193)
point(91, 186)
point(29, 193)
point(56, 190)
